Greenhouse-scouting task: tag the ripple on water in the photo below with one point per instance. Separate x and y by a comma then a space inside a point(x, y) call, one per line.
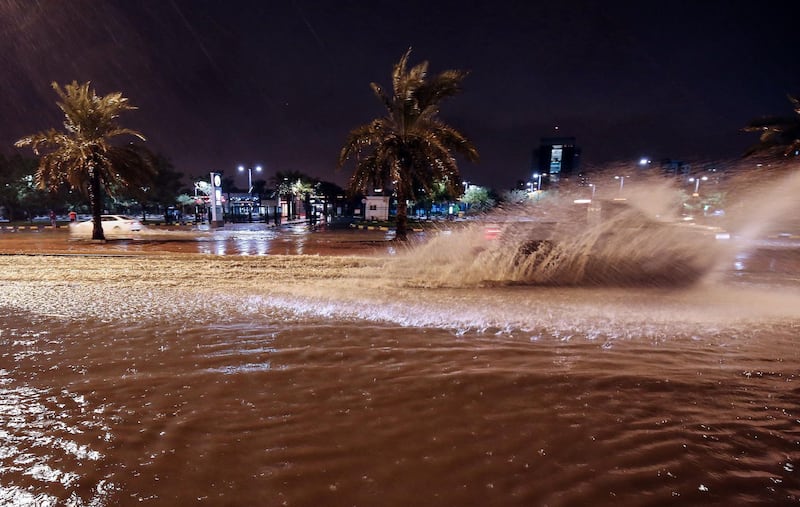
point(334, 383)
point(52, 438)
point(47, 443)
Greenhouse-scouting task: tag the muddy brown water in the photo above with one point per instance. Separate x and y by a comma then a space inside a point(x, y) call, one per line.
point(233, 239)
point(149, 373)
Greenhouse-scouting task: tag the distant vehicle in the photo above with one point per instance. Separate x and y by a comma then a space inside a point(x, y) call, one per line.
point(114, 226)
point(605, 242)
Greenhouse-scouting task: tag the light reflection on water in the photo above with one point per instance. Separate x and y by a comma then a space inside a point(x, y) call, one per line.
point(44, 454)
point(277, 398)
point(317, 380)
point(260, 239)
point(233, 239)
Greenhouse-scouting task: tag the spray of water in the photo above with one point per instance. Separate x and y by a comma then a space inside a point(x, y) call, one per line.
point(652, 232)
point(599, 272)
point(764, 202)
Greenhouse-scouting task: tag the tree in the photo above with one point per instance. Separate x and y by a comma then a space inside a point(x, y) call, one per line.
point(15, 176)
point(780, 135)
point(331, 191)
point(161, 191)
point(289, 184)
point(478, 198)
point(439, 194)
point(168, 182)
point(260, 187)
point(285, 181)
point(410, 148)
point(515, 196)
point(185, 201)
point(82, 155)
point(302, 187)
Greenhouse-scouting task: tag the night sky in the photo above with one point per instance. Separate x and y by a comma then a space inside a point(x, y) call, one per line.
point(223, 83)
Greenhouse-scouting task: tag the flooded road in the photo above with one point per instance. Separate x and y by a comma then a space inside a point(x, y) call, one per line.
point(232, 239)
point(152, 377)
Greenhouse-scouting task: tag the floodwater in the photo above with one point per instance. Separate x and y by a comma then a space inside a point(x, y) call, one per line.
point(232, 239)
point(359, 378)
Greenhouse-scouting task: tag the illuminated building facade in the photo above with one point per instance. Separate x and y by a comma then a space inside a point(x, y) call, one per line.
point(556, 158)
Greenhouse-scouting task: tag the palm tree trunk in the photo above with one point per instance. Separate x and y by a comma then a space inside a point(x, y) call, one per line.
point(96, 203)
point(402, 217)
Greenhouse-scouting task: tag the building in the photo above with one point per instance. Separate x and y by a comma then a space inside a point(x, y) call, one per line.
point(675, 168)
point(554, 159)
point(376, 207)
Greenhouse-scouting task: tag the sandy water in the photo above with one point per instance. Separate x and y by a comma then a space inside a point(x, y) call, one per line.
point(309, 380)
point(637, 362)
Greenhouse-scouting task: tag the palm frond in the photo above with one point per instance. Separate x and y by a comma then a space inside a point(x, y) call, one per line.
point(399, 71)
point(385, 99)
point(130, 166)
point(410, 149)
point(82, 155)
point(779, 136)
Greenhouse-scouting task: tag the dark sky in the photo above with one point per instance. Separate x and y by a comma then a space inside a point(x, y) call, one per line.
point(229, 82)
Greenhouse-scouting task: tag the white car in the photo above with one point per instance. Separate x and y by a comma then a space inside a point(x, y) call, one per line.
point(114, 226)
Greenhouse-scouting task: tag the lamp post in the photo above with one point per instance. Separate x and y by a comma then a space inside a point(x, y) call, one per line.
point(250, 177)
point(621, 182)
point(538, 177)
point(250, 189)
point(697, 184)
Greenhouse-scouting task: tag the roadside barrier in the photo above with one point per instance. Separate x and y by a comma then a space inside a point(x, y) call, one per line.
point(381, 227)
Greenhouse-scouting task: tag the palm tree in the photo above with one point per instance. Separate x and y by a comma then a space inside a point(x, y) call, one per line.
point(289, 184)
point(410, 148)
point(780, 135)
point(82, 155)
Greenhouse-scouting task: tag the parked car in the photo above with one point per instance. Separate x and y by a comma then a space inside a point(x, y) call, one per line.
point(114, 226)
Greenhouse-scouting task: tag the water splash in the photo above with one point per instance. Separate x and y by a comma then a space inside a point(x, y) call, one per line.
point(583, 247)
point(765, 203)
point(555, 267)
point(642, 237)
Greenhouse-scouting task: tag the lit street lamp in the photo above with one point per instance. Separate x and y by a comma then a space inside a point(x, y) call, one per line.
point(621, 182)
point(538, 177)
point(539, 180)
point(697, 184)
point(250, 177)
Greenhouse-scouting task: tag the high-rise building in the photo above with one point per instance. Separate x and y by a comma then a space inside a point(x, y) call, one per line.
point(556, 158)
point(675, 167)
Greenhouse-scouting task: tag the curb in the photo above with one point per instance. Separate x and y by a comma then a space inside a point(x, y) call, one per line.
point(13, 228)
point(382, 228)
point(370, 227)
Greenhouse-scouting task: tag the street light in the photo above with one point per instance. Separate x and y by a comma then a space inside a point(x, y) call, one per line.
point(538, 176)
point(250, 177)
point(697, 184)
point(621, 182)
point(539, 180)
